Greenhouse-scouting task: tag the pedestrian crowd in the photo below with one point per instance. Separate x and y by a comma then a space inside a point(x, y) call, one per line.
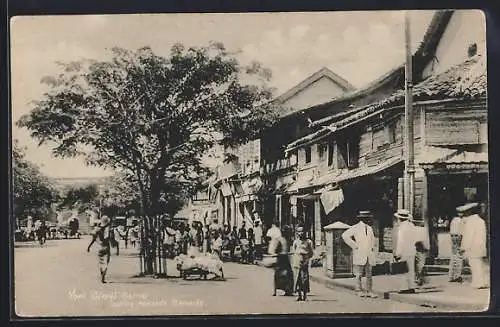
point(289, 250)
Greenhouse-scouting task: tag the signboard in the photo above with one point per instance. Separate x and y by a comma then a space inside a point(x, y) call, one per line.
point(444, 131)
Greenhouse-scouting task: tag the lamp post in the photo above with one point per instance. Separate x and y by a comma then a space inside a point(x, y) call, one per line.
point(409, 185)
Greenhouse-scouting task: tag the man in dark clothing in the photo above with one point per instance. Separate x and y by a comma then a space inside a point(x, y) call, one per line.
point(242, 233)
point(233, 241)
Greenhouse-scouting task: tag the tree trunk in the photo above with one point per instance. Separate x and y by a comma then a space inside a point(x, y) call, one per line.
point(149, 256)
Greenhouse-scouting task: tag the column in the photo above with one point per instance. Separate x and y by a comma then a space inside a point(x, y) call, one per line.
point(225, 217)
point(293, 210)
point(401, 189)
point(317, 222)
point(277, 209)
point(234, 209)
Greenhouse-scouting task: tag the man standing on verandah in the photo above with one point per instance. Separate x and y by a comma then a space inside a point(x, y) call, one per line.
point(362, 241)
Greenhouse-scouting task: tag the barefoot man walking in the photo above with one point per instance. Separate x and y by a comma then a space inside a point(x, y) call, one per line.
point(103, 238)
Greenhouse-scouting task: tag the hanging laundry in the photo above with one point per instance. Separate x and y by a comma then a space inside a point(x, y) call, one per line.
point(332, 199)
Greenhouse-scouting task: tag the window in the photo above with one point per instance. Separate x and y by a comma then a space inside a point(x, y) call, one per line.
point(322, 149)
point(391, 132)
point(331, 149)
point(308, 154)
point(342, 155)
point(379, 137)
point(347, 154)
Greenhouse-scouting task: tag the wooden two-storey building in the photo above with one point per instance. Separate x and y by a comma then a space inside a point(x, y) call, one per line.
point(355, 161)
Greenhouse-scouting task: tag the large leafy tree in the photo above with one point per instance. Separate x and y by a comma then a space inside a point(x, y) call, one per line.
point(153, 117)
point(82, 198)
point(34, 193)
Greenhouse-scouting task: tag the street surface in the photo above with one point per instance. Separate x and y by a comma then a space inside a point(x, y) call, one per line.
point(61, 279)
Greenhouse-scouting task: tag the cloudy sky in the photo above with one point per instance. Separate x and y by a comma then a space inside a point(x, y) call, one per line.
point(359, 46)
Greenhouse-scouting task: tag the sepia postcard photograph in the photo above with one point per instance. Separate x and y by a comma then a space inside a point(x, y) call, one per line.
point(249, 163)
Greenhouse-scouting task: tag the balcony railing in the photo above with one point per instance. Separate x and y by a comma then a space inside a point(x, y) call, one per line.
point(280, 164)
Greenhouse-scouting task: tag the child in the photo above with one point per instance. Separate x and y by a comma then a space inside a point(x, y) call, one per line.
point(420, 257)
point(217, 245)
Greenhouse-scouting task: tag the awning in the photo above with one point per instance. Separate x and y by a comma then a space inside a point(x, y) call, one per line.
point(251, 186)
point(311, 196)
point(364, 171)
point(457, 159)
point(303, 182)
point(327, 179)
point(237, 189)
point(282, 184)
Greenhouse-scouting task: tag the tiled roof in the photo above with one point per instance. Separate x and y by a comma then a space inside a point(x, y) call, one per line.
point(466, 80)
point(424, 54)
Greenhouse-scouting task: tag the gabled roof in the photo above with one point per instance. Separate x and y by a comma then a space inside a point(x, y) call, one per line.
point(464, 81)
point(323, 72)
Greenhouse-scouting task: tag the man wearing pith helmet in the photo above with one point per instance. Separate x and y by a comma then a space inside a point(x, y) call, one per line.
point(405, 248)
point(473, 245)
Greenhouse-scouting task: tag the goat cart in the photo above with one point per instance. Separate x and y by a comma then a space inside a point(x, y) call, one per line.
point(201, 266)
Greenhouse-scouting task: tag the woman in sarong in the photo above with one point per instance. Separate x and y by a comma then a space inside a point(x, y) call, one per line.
point(283, 274)
point(302, 253)
point(103, 237)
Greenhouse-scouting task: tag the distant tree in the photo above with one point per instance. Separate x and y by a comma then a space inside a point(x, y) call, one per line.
point(81, 198)
point(34, 193)
point(153, 117)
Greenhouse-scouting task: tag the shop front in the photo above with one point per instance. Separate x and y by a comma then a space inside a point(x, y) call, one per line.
point(461, 178)
point(377, 190)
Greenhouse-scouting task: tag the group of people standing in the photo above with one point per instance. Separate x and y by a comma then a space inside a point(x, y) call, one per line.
point(468, 241)
point(212, 238)
point(468, 234)
point(291, 268)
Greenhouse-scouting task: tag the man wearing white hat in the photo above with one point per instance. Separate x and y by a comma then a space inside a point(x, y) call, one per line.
point(473, 245)
point(361, 240)
point(405, 248)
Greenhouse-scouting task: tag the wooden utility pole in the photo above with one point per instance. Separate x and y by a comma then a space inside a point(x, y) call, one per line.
point(409, 144)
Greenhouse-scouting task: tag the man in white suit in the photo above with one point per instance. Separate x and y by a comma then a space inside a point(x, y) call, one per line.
point(473, 245)
point(405, 248)
point(362, 241)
